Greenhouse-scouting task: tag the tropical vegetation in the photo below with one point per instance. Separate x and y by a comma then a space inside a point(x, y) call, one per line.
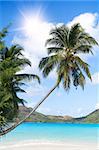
point(12, 61)
point(64, 47)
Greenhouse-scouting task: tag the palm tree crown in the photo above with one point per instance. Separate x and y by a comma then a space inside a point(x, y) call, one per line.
point(12, 61)
point(63, 49)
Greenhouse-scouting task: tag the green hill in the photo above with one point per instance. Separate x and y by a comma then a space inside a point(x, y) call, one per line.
point(91, 118)
point(38, 117)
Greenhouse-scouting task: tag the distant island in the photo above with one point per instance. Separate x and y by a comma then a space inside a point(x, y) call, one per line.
point(39, 117)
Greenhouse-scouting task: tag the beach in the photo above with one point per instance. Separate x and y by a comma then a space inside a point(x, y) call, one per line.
point(49, 146)
point(52, 136)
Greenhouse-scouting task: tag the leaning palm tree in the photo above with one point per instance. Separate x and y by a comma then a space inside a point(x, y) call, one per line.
point(64, 49)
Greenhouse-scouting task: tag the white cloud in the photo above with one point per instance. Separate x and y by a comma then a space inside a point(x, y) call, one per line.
point(97, 105)
point(95, 78)
point(89, 22)
point(34, 44)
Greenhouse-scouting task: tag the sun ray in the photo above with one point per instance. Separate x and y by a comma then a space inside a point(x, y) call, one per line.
point(31, 22)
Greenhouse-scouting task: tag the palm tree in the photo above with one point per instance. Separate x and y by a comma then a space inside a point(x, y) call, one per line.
point(66, 45)
point(12, 61)
point(64, 48)
point(3, 34)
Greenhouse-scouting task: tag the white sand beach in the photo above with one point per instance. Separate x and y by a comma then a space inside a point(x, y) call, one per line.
point(49, 146)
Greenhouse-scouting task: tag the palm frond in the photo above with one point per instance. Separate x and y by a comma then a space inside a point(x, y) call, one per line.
point(53, 41)
point(81, 80)
point(54, 49)
point(83, 49)
point(47, 64)
point(84, 66)
point(74, 32)
point(86, 38)
point(15, 50)
point(29, 77)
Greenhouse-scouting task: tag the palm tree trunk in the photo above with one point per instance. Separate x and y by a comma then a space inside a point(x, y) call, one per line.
point(33, 110)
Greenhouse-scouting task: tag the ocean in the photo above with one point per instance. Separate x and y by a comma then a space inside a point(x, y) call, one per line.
point(52, 132)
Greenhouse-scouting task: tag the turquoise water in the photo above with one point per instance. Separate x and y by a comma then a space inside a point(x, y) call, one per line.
point(53, 132)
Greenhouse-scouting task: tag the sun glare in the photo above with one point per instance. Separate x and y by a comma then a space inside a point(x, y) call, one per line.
point(32, 22)
point(32, 25)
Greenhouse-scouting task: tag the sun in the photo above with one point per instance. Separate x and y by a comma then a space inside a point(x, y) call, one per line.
point(32, 25)
point(32, 22)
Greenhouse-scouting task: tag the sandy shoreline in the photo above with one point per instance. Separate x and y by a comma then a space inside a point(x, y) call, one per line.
point(49, 146)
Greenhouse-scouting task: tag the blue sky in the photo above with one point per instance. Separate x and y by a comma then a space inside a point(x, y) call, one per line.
point(45, 14)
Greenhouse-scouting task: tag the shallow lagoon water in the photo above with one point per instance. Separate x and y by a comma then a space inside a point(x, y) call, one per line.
point(53, 132)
